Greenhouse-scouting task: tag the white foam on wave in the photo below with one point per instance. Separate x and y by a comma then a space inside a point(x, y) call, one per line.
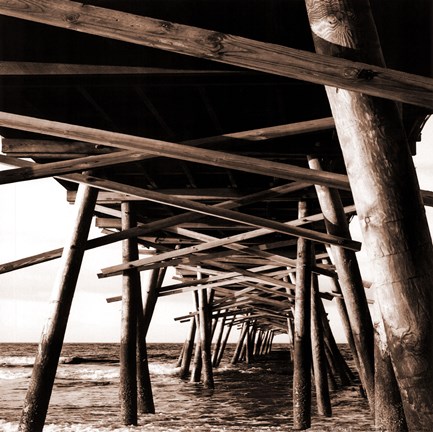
point(13, 427)
point(162, 369)
point(87, 374)
point(10, 374)
point(16, 361)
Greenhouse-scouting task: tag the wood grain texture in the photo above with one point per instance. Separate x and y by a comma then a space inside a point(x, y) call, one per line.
point(167, 149)
point(225, 48)
point(393, 222)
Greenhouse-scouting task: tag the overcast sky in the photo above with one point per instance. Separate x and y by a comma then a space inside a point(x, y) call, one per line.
point(36, 217)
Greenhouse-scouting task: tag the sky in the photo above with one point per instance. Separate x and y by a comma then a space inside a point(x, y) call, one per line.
point(36, 217)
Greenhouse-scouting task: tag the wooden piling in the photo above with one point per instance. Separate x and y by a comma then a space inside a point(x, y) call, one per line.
point(45, 366)
point(388, 413)
point(240, 344)
point(350, 281)
point(302, 339)
point(225, 340)
point(128, 330)
point(318, 352)
point(205, 338)
point(389, 206)
point(188, 350)
point(344, 317)
point(144, 315)
point(197, 362)
point(218, 341)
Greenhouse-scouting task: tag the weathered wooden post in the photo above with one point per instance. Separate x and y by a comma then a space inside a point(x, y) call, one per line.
point(302, 339)
point(240, 344)
point(388, 202)
point(224, 344)
point(318, 352)
point(188, 349)
point(218, 341)
point(205, 338)
point(197, 362)
point(144, 390)
point(50, 346)
point(344, 316)
point(388, 412)
point(351, 283)
point(128, 330)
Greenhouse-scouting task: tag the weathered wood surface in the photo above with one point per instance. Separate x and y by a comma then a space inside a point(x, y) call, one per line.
point(318, 352)
point(302, 334)
point(388, 407)
point(225, 48)
point(177, 151)
point(389, 205)
point(45, 366)
point(351, 283)
point(47, 148)
point(8, 68)
point(128, 327)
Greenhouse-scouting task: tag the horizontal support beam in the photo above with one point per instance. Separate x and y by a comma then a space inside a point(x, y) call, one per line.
point(48, 148)
point(52, 169)
point(11, 68)
point(172, 150)
point(225, 48)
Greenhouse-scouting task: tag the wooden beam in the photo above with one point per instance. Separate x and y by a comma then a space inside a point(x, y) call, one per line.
point(217, 211)
point(214, 211)
point(14, 68)
point(225, 48)
point(51, 169)
point(50, 148)
point(176, 151)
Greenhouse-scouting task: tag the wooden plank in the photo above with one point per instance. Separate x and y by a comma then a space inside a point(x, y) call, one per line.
point(37, 171)
point(176, 151)
point(225, 48)
point(13, 68)
point(57, 148)
point(47, 148)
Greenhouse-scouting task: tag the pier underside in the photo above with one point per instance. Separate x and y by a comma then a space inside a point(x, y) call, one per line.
point(202, 134)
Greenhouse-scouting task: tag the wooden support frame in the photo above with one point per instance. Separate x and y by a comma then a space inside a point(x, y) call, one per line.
point(225, 48)
point(177, 151)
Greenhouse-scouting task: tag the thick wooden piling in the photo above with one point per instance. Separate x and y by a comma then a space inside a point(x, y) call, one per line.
point(188, 350)
point(197, 362)
point(344, 317)
point(205, 338)
point(128, 330)
point(145, 401)
point(388, 202)
point(45, 366)
point(351, 283)
point(318, 353)
point(302, 339)
point(388, 413)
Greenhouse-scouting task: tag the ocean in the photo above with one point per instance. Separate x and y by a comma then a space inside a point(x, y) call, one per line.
point(255, 397)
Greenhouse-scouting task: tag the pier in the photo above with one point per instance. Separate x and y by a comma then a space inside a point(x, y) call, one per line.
point(234, 141)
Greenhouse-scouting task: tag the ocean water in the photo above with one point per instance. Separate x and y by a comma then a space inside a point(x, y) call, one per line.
point(254, 397)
